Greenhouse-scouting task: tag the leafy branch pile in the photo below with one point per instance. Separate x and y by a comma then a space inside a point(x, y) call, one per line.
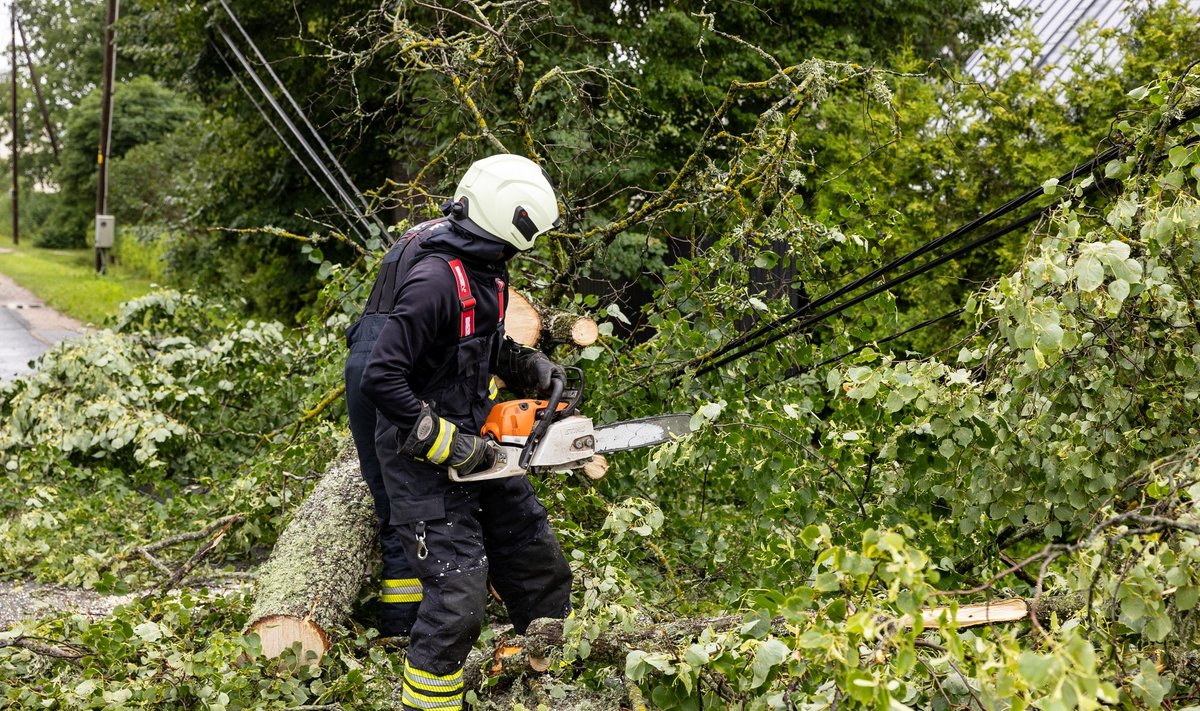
point(1040, 446)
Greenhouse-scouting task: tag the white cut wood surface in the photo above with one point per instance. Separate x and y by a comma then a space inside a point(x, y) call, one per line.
point(522, 322)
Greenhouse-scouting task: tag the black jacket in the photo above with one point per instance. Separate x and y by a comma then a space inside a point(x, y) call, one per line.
point(419, 354)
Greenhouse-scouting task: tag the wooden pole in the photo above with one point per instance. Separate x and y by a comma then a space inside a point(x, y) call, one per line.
point(105, 120)
point(16, 141)
point(37, 90)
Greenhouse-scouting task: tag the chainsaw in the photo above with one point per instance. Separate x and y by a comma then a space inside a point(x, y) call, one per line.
point(537, 436)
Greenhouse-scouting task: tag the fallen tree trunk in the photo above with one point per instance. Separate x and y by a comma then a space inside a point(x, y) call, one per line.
point(319, 564)
point(308, 586)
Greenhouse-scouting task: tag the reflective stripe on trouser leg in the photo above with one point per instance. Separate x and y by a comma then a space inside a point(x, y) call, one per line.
point(432, 692)
point(402, 590)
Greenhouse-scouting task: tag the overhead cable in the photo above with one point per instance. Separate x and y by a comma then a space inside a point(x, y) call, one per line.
point(801, 369)
point(886, 286)
point(258, 82)
point(286, 143)
point(777, 324)
point(366, 210)
point(903, 259)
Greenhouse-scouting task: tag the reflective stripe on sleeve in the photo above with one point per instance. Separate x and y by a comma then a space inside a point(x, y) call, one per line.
point(440, 450)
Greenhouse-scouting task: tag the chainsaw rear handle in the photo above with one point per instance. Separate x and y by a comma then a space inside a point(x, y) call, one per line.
point(505, 466)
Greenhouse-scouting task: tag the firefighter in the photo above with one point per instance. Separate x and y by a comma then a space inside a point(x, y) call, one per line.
point(444, 288)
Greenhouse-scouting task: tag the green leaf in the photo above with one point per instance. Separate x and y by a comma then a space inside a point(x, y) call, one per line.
point(696, 655)
point(1180, 156)
point(1089, 273)
point(148, 631)
point(1118, 289)
point(767, 656)
point(1186, 597)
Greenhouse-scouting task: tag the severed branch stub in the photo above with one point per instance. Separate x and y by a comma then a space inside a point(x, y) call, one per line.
point(528, 324)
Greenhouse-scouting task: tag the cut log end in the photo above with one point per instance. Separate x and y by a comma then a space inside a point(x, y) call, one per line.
point(279, 632)
point(522, 322)
point(585, 332)
point(596, 468)
point(528, 324)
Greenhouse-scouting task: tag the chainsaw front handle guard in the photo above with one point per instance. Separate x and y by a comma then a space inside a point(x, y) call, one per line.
point(545, 418)
point(505, 466)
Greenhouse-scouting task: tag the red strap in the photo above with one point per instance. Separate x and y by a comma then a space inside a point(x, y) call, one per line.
point(500, 294)
point(466, 324)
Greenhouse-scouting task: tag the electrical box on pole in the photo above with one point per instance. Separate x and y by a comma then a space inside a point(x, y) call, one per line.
point(106, 228)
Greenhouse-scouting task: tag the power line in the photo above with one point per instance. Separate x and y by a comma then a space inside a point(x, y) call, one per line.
point(903, 259)
point(886, 286)
point(801, 369)
point(304, 117)
point(258, 82)
point(776, 324)
point(283, 140)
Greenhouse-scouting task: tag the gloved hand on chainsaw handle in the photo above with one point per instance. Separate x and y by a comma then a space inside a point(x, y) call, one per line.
point(440, 441)
point(527, 368)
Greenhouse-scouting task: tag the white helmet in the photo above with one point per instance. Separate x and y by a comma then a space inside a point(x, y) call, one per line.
point(505, 198)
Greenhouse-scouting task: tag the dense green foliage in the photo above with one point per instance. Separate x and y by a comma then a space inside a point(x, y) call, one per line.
point(1041, 444)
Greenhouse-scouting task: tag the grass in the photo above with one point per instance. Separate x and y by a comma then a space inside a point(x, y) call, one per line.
point(66, 279)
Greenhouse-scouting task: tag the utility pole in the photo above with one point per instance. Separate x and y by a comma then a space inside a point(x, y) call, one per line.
point(102, 218)
point(16, 141)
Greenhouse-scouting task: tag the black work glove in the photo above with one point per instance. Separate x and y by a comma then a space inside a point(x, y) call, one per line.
point(437, 440)
point(538, 370)
point(525, 368)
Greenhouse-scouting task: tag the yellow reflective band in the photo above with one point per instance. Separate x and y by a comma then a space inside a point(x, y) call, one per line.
point(440, 691)
point(402, 583)
point(432, 692)
point(493, 390)
point(440, 450)
point(445, 703)
point(401, 590)
point(401, 597)
point(451, 680)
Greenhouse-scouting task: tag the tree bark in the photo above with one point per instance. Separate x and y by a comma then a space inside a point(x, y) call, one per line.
point(323, 556)
point(565, 327)
point(528, 324)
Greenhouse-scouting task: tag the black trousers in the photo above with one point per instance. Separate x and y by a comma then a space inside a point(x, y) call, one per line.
point(455, 536)
point(401, 592)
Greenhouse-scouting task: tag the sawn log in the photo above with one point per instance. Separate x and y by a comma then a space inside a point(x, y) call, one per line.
point(528, 324)
point(323, 556)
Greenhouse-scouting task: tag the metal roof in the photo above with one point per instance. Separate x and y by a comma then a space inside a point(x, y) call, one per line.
point(1057, 24)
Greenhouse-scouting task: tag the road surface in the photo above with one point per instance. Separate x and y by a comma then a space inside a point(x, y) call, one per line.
point(28, 328)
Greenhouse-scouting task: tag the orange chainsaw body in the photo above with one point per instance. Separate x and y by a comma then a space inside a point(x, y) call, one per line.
point(512, 421)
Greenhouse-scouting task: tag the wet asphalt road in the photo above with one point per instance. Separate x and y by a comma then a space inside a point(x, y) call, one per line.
point(18, 346)
point(28, 328)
